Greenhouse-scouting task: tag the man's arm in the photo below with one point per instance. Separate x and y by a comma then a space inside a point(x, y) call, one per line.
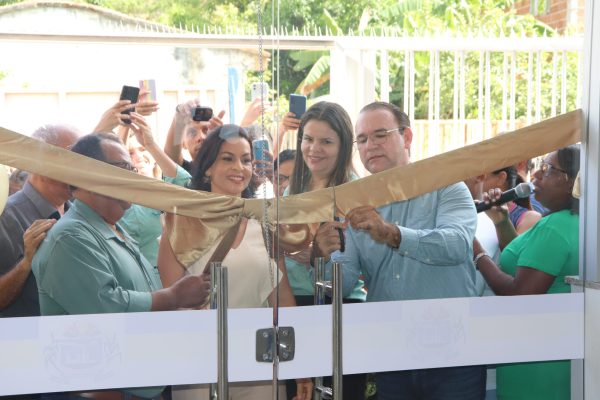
point(450, 241)
point(79, 275)
point(12, 282)
point(188, 292)
point(350, 259)
point(327, 243)
point(447, 243)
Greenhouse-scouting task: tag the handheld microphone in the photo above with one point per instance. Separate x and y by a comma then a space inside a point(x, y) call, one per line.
point(521, 191)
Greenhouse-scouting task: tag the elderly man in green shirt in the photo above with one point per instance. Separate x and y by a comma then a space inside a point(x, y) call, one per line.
point(88, 264)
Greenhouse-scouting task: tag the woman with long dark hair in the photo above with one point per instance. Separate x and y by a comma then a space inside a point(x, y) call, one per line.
point(224, 165)
point(323, 159)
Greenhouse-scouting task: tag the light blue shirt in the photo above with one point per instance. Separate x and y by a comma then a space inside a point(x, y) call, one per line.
point(434, 259)
point(143, 223)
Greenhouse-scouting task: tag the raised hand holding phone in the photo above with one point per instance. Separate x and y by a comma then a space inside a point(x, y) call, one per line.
point(298, 105)
point(202, 114)
point(147, 103)
point(130, 93)
point(263, 159)
point(149, 87)
point(260, 149)
point(260, 90)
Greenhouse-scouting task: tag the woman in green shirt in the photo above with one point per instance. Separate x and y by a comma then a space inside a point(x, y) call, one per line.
point(536, 262)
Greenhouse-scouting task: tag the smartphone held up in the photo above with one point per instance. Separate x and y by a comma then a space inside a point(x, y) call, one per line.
point(260, 90)
point(297, 104)
point(130, 93)
point(202, 114)
point(260, 150)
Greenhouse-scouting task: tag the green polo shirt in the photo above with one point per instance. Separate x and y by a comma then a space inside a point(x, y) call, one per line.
point(84, 267)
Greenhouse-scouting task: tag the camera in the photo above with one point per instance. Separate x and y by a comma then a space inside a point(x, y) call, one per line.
point(202, 114)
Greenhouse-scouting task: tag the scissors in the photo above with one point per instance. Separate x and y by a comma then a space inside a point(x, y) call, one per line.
point(336, 218)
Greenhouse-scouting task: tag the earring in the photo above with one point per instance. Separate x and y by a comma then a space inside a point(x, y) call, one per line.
point(206, 179)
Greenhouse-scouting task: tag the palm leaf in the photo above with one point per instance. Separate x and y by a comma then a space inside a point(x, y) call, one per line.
point(331, 23)
point(316, 77)
point(305, 59)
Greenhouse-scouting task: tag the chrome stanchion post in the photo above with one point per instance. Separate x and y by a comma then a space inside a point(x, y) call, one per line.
point(222, 376)
point(214, 266)
point(337, 305)
point(218, 301)
point(321, 392)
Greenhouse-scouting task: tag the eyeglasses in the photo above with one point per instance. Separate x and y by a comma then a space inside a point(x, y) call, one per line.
point(124, 165)
point(547, 169)
point(377, 137)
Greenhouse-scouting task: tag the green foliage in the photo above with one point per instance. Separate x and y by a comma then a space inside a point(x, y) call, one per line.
point(308, 71)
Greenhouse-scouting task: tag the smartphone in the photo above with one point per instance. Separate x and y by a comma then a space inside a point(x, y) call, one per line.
point(130, 93)
point(260, 90)
point(260, 147)
point(298, 104)
point(149, 85)
point(202, 114)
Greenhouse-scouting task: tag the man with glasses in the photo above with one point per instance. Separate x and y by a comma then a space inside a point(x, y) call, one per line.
point(415, 249)
point(89, 264)
point(28, 215)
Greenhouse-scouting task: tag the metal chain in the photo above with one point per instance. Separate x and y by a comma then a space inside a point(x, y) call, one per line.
point(266, 227)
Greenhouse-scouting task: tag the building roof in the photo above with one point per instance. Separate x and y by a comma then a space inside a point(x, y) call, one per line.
point(26, 17)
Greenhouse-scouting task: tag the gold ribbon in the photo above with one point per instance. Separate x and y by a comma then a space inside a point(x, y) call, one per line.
point(218, 213)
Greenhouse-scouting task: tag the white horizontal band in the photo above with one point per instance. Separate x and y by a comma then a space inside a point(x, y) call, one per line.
point(66, 353)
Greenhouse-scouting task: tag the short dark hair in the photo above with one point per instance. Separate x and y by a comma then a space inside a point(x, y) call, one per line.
point(284, 155)
point(208, 153)
point(339, 120)
point(91, 145)
point(569, 160)
point(400, 116)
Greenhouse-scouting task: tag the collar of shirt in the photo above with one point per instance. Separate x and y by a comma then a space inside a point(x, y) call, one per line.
point(96, 221)
point(41, 204)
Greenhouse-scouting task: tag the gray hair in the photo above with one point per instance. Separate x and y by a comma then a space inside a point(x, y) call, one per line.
point(51, 133)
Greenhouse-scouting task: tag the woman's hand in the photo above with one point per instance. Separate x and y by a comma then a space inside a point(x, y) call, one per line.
point(254, 110)
point(145, 107)
point(142, 131)
point(498, 214)
point(289, 123)
point(114, 116)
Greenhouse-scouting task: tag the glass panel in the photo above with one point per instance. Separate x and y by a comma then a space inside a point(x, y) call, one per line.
point(491, 80)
